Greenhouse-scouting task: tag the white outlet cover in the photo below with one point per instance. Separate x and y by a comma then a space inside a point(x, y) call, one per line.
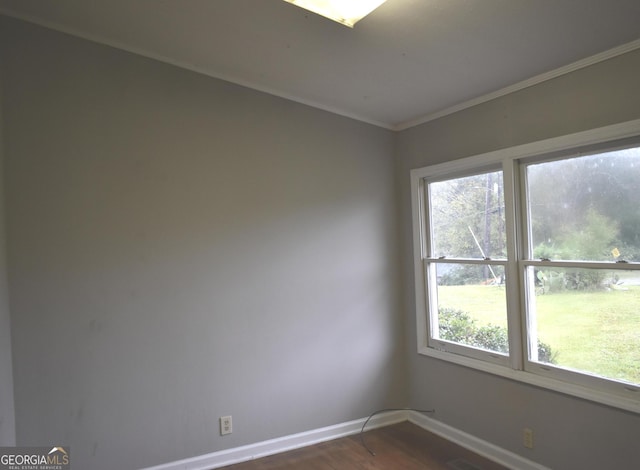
point(226, 425)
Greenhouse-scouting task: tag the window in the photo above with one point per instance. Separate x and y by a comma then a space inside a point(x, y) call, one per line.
point(527, 263)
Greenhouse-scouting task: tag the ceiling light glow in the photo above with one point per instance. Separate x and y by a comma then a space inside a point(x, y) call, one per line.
point(347, 12)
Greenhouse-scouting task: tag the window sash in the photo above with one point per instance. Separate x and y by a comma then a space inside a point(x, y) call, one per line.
point(557, 371)
point(433, 337)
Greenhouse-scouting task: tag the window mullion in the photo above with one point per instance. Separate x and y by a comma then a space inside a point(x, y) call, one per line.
point(528, 318)
point(514, 319)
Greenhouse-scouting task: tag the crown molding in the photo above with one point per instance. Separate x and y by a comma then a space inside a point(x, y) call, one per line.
point(543, 77)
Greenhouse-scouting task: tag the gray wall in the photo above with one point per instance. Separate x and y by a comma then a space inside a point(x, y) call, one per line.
point(7, 418)
point(569, 433)
point(181, 248)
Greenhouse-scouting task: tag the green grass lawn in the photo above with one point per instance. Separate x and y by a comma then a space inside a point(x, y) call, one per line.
point(596, 332)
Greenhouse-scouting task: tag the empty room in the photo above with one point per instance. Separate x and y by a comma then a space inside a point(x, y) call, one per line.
point(234, 228)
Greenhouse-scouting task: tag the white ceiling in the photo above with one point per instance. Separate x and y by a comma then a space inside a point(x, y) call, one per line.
point(408, 61)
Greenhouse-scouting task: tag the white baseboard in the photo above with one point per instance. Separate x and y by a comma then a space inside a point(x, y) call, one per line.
point(303, 439)
point(282, 444)
point(474, 444)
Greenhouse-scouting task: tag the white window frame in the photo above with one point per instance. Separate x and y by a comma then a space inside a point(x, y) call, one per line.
point(516, 365)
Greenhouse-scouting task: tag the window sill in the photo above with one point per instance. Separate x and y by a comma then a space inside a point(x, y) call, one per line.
point(628, 403)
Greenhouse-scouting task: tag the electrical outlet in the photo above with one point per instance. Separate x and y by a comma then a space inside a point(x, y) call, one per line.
point(527, 438)
point(226, 425)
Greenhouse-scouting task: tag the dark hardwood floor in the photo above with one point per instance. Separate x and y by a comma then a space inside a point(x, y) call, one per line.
point(400, 446)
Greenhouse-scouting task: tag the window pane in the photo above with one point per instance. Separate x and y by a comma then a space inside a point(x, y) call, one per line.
point(586, 320)
point(472, 306)
point(586, 208)
point(467, 217)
